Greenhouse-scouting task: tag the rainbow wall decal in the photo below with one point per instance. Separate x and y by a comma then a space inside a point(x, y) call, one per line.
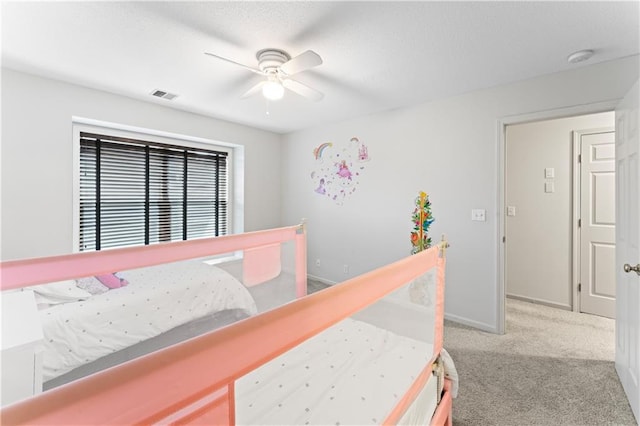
point(337, 168)
point(317, 152)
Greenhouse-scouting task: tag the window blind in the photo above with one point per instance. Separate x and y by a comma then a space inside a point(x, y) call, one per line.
point(136, 192)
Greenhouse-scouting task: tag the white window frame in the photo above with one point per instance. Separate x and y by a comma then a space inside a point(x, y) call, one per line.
point(235, 164)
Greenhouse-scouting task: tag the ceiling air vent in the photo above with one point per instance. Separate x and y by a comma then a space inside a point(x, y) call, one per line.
point(164, 95)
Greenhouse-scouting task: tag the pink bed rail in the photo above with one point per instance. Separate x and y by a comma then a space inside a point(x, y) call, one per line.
point(23, 273)
point(193, 382)
point(442, 416)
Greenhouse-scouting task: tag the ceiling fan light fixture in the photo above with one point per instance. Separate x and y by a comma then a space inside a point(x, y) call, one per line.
point(277, 66)
point(273, 90)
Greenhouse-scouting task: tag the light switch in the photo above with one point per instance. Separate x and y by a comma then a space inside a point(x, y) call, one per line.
point(549, 173)
point(478, 215)
point(511, 210)
point(549, 187)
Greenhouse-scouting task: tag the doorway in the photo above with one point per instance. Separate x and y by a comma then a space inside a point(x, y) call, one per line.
point(627, 238)
point(547, 238)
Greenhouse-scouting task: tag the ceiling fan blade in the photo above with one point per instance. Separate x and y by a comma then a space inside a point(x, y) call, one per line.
point(302, 62)
point(255, 89)
point(302, 89)
point(255, 70)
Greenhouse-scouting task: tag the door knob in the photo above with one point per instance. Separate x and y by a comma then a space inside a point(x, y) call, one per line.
point(629, 268)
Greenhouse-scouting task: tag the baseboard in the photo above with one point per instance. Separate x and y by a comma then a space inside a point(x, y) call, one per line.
point(322, 280)
point(540, 302)
point(471, 323)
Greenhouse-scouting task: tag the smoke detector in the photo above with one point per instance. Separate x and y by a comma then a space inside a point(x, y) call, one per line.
point(580, 56)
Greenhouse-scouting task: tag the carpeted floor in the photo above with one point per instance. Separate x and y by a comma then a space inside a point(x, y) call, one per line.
point(551, 367)
point(314, 285)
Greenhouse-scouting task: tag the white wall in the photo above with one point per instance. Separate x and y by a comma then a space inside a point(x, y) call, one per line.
point(540, 232)
point(37, 158)
point(447, 148)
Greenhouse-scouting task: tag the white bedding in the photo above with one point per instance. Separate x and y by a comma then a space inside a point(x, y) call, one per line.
point(351, 374)
point(156, 300)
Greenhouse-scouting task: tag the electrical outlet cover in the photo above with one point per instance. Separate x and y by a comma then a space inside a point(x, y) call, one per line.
point(478, 215)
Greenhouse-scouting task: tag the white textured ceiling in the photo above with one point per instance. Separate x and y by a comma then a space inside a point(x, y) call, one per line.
point(377, 55)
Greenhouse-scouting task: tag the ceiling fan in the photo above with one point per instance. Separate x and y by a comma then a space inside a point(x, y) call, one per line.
point(277, 66)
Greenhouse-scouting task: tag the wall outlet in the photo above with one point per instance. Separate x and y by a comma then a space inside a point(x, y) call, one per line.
point(317, 262)
point(479, 215)
point(511, 210)
point(345, 269)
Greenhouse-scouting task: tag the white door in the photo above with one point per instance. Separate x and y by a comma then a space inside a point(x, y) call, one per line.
point(598, 217)
point(627, 246)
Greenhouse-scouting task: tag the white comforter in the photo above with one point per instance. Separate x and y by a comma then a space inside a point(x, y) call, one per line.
point(156, 300)
point(351, 374)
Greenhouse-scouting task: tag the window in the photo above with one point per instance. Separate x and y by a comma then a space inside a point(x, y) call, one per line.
point(135, 192)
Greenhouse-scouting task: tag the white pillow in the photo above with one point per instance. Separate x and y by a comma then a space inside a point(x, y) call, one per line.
point(59, 292)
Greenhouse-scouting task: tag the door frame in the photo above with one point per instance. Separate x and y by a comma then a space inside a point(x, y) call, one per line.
point(501, 201)
point(576, 206)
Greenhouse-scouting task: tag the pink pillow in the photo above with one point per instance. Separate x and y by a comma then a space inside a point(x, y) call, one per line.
point(112, 281)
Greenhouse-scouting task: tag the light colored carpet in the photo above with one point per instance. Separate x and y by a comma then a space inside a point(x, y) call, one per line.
point(315, 285)
point(551, 367)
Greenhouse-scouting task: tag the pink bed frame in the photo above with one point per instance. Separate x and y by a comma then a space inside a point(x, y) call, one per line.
point(174, 385)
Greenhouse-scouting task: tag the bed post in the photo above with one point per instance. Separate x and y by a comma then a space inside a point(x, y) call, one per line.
point(301, 259)
point(444, 245)
point(439, 328)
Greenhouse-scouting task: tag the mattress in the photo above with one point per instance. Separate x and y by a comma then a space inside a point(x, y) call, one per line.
point(423, 408)
point(352, 373)
point(157, 299)
point(176, 335)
